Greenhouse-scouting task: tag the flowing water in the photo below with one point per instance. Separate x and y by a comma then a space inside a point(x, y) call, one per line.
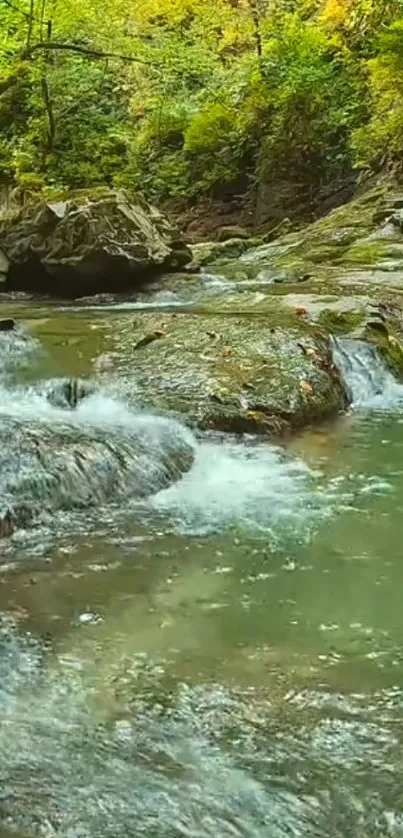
point(199, 637)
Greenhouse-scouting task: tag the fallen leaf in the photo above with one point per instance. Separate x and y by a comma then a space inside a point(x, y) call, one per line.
point(306, 386)
point(307, 350)
point(226, 352)
point(247, 385)
point(301, 312)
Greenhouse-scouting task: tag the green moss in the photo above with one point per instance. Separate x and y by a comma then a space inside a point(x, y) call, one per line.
point(340, 322)
point(390, 346)
point(365, 253)
point(208, 253)
point(325, 253)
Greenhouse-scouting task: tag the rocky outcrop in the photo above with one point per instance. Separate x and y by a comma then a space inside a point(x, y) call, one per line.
point(86, 245)
point(366, 233)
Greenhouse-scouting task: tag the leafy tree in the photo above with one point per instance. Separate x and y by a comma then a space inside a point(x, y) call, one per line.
point(197, 97)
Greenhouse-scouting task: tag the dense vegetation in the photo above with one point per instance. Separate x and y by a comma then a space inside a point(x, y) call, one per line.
point(194, 98)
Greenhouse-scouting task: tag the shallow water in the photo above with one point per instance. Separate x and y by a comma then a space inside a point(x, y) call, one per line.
point(219, 658)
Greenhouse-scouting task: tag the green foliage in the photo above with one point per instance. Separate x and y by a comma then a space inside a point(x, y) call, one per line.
point(312, 97)
point(223, 96)
point(380, 142)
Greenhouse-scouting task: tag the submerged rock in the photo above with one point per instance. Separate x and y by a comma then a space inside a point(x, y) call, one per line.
point(67, 392)
point(86, 245)
point(7, 524)
point(7, 325)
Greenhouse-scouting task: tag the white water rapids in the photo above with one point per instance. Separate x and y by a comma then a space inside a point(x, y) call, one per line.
point(56, 456)
point(102, 451)
point(101, 740)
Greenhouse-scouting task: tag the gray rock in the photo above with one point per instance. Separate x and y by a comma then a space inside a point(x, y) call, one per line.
point(207, 253)
point(88, 244)
point(50, 465)
point(228, 373)
point(7, 524)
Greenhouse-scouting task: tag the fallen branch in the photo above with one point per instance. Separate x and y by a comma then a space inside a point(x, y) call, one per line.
point(90, 53)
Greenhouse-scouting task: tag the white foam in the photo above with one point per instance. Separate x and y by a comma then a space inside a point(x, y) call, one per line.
point(253, 485)
point(371, 383)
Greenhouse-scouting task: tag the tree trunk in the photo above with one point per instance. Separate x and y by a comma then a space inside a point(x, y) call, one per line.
point(256, 30)
point(31, 18)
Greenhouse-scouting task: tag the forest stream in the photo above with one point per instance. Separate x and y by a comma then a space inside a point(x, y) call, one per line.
point(200, 634)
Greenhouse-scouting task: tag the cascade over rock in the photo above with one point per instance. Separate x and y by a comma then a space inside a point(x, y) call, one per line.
point(66, 445)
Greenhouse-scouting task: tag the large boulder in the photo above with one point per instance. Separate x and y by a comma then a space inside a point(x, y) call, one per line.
point(86, 244)
point(231, 372)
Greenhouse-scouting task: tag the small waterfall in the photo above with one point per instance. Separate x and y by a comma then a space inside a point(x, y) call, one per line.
point(369, 380)
point(61, 449)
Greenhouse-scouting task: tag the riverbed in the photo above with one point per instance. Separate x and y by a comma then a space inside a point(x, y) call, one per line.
point(222, 657)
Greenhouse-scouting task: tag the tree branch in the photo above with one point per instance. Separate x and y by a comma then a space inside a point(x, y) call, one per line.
point(47, 101)
point(20, 11)
point(90, 53)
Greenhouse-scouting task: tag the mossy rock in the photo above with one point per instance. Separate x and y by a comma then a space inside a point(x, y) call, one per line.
point(348, 234)
point(209, 253)
point(389, 343)
point(324, 253)
point(366, 253)
point(234, 373)
point(341, 322)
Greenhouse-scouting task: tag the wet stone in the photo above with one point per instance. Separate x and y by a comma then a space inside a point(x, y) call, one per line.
point(7, 325)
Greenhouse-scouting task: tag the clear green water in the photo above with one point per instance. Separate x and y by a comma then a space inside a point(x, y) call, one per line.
point(223, 659)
